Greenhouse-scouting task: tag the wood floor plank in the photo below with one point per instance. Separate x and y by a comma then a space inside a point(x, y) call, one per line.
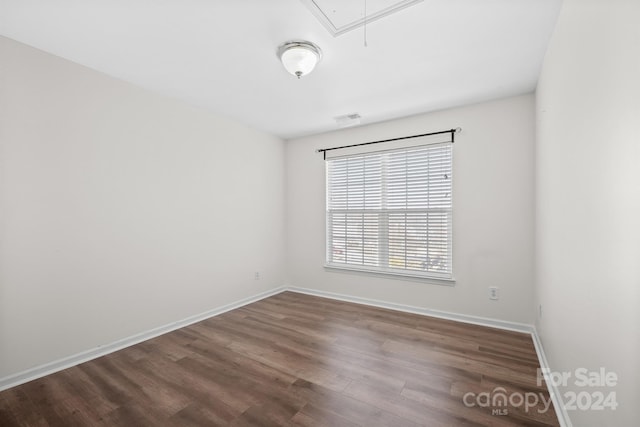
point(347, 408)
point(295, 359)
point(400, 406)
point(196, 414)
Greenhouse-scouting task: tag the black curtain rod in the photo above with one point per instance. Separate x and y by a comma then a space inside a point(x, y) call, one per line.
point(451, 131)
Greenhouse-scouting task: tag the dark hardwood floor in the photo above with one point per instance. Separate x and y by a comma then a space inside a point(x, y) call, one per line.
point(295, 359)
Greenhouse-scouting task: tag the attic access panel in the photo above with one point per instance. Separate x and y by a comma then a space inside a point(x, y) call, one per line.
point(340, 16)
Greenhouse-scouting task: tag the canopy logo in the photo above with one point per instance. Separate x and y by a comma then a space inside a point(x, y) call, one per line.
point(499, 401)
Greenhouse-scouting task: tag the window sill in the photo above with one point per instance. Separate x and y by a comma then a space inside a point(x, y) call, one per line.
point(416, 277)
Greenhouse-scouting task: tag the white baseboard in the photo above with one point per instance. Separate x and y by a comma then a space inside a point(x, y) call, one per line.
point(556, 396)
point(85, 356)
point(475, 320)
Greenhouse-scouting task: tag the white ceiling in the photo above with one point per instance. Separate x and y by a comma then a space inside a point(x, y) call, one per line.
point(221, 54)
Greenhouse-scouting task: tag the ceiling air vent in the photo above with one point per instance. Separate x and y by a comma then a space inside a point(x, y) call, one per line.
point(348, 120)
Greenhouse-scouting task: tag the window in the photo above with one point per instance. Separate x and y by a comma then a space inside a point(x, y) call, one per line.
point(391, 211)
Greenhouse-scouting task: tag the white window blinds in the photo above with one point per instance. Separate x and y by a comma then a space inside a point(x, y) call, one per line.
point(391, 211)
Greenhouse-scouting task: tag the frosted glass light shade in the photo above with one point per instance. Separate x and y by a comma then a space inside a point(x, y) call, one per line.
point(299, 57)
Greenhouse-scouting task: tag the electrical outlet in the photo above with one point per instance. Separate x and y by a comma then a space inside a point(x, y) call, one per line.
point(257, 275)
point(494, 293)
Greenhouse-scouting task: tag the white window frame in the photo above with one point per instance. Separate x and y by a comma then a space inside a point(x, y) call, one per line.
point(384, 212)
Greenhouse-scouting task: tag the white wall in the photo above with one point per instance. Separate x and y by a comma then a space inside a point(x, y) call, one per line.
point(121, 211)
point(493, 212)
point(588, 200)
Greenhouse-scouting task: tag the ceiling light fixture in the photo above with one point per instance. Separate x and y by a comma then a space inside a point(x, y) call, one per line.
point(299, 57)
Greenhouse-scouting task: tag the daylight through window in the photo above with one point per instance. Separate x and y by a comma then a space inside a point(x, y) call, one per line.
point(391, 211)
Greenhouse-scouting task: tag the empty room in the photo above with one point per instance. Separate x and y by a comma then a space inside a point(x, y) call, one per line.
point(320, 213)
